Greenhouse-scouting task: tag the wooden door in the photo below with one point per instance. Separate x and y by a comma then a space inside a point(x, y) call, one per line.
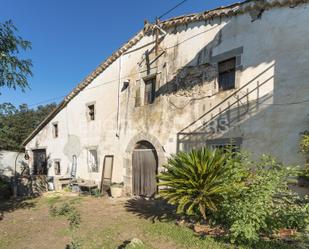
point(144, 169)
point(39, 162)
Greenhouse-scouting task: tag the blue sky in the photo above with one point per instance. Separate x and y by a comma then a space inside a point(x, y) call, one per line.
point(71, 37)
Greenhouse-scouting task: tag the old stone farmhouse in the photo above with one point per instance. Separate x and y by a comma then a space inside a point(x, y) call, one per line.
point(238, 72)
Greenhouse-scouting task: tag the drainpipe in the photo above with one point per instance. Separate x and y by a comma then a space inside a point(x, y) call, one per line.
point(118, 98)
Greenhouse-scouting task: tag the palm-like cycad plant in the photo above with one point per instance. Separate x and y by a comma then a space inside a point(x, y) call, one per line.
point(198, 180)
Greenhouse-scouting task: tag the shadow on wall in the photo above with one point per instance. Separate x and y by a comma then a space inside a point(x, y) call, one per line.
point(254, 102)
point(237, 108)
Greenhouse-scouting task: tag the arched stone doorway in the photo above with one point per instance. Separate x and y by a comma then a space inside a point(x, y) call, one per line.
point(144, 169)
point(144, 147)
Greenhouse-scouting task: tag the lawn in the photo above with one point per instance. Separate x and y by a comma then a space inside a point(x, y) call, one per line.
point(105, 223)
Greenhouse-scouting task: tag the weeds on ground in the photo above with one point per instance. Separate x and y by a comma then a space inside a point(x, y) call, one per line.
point(74, 244)
point(68, 210)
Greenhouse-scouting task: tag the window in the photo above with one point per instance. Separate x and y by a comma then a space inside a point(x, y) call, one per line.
point(57, 167)
point(225, 144)
point(150, 90)
point(55, 130)
point(92, 160)
point(227, 71)
point(91, 112)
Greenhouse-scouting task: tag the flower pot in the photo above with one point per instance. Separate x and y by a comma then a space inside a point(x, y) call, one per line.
point(116, 191)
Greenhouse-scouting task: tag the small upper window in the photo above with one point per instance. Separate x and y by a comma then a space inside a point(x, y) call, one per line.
point(55, 130)
point(93, 160)
point(227, 71)
point(57, 167)
point(91, 112)
point(150, 90)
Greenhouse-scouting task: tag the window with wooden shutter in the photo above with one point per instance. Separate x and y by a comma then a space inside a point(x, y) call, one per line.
point(150, 90)
point(227, 70)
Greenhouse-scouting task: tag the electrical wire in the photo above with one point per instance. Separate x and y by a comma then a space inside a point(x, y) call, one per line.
point(130, 75)
point(134, 74)
point(173, 8)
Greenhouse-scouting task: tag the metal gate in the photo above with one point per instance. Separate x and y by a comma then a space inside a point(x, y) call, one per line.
point(144, 166)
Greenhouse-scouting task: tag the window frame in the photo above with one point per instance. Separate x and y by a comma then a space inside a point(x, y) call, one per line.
point(57, 161)
point(89, 117)
point(153, 81)
point(222, 143)
point(229, 86)
point(55, 129)
point(90, 168)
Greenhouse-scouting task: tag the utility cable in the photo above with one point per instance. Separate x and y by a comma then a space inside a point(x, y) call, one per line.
point(173, 8)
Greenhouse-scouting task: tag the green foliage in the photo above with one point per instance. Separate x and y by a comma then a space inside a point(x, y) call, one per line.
point(74, 244)
point(5, 191)
point(197, 182)
point(13, 70)
point(17, 123)
point(304, 148)
point(96, 193)
point(261, 206)
point(67, 210)
point(290, 211)
point(247, 198)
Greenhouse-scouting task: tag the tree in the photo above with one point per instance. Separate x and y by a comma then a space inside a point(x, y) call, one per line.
point(17, 123)
point(13, 69)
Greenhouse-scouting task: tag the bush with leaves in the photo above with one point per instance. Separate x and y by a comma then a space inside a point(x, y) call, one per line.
point(261, 206)
point(198, 181)
point(247, 198)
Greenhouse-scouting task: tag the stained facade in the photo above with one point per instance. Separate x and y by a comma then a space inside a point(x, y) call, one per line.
point(235, 74)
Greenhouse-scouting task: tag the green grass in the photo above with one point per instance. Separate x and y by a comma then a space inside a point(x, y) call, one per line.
point(182, 236)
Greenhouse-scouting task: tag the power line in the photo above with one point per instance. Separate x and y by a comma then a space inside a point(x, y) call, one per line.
point(170, 10)
point(130, 75)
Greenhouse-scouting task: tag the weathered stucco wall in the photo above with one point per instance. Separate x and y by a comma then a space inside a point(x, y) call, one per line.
point(7, 163)
point(272, 54)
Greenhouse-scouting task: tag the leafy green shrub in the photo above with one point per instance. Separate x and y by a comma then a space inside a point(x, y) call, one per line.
point(198, 181)
point(261, 205)
point(290, 211)
point(67, 210)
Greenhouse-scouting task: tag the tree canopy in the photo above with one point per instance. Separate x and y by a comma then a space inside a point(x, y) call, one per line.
point(16, 123)
point(13, 69)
